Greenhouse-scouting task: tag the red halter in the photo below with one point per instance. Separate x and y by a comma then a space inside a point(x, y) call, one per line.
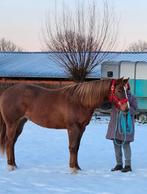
point(114, 99)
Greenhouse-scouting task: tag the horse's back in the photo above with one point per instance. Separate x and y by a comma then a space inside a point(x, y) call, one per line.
point(18, 97)
point(23, 90)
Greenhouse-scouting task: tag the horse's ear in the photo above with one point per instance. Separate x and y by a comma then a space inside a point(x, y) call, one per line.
point(126, 80)
point(119, 81)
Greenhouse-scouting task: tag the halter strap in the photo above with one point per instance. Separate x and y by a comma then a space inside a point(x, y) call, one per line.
point(113, 98)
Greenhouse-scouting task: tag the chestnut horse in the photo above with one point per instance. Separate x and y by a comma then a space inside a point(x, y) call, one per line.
point(70, 107)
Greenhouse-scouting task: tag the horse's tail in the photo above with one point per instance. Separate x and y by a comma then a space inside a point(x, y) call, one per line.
point(2, 134)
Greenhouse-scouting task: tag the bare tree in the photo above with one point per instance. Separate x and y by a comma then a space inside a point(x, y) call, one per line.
point(7, 45)
point(139, 46)
point(76, 40)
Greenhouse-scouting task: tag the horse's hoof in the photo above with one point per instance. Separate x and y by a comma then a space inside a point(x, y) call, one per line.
point(74, 170)
point(78, 168)
point(11, 167)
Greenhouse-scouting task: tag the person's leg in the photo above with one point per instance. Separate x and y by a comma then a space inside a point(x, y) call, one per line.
point(118, 155)
point(127, 154)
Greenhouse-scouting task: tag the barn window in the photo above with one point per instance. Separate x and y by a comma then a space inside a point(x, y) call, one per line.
point(110, 74)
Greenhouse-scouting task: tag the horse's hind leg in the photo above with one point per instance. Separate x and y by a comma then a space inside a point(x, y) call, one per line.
point(12, 134)
point(19, 128)
point(74, 134)
point(10, 142)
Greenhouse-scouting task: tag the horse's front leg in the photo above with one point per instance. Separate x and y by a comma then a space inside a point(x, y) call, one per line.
point(74, 134)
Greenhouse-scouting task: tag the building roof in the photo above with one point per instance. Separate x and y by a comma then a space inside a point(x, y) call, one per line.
point(39, 65)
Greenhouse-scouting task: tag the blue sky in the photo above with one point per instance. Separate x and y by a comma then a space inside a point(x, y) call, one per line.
point(21, 20)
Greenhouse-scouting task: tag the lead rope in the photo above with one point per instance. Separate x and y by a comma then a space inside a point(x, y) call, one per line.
point(123, 125)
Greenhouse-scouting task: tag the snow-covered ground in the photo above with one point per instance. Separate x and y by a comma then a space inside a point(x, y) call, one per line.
point(42, 157)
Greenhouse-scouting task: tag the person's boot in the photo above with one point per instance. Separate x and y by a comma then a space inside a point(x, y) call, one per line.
point(127, 168)
point(117, 167)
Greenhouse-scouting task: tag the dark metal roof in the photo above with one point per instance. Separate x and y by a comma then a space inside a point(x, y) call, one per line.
point(38, 64)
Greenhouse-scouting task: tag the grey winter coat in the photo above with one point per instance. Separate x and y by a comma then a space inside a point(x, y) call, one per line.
point(112, 124)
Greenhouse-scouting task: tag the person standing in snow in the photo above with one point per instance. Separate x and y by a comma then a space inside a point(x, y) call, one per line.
point(122, 141)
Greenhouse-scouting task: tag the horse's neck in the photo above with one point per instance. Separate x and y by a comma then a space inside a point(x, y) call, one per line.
point(90, 96)
point(105, 92)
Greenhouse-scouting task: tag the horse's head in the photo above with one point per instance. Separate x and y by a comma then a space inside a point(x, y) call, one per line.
point(118, 94)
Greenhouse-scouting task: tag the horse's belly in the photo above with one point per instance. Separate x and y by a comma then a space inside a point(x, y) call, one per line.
point(49, 122)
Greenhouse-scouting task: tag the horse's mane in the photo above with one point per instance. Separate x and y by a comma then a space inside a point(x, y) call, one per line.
point(89, 93)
